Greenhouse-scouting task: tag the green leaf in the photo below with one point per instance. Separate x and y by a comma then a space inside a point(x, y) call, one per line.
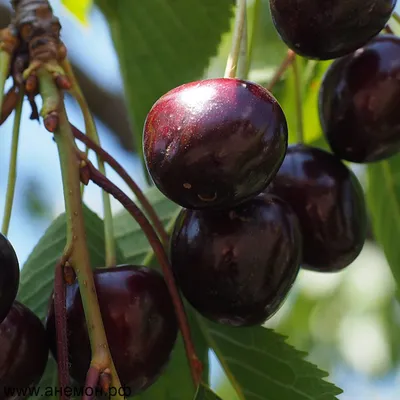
point(37, 275)
point(205, 393)
point(258, 362)
point(175, 383)
point(261, 365)
point(163, 44)
point(79, 8)
point(383, 198)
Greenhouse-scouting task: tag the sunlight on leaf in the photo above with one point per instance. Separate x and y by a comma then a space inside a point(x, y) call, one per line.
point(79, 8)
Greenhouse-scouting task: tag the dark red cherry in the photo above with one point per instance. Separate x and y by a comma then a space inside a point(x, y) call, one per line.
point(9, 276)
point(139, 321)
point(359, 102)
point(329, 202)
point(236, 267)
point(23, 351)
point(214, 143)
point(329, 29)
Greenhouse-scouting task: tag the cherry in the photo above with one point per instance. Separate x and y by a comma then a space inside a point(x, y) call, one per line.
point(359, 102)
point(214, 143)
point(329, 29)
point(139, 320)
point(236, 266)
point(24, 351)
point(9, 276)
point(329, 202)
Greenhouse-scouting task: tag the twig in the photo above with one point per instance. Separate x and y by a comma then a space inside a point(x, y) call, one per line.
point(76, 234)
point(286, 63)
point(60, 313)
point(231, 65)
point(9, 104)
point(252, 35)
point(12, 170)
point(148, 208)
point(103, 182)
point(91, 132)
point(117, 167)
point(299, 100)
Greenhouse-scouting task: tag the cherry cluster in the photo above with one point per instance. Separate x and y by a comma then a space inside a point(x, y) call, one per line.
point(254, 210)
point(23, 341)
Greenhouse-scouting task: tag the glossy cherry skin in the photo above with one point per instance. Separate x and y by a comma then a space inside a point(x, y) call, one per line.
point(214, 143)
point(331, 28)
point(328, 200)
point(236, 267)
point(9, 276)
point(359, 102)
point(139, 321)
point(24, 350)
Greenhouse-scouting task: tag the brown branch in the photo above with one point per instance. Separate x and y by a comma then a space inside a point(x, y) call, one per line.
point(117, 167)
point(103, 182)
point(286, 63)
point(9, 104)
point(108, 107)
point(60, 313)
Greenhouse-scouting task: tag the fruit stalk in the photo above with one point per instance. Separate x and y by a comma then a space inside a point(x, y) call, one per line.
point(253, 30)
point(103, 182)
point(60, 313)
point(231, 65)
point(286, 63)
point(5, 60)
point(12, 171)
point(76, 235)
point(299, 100)
point(92, 133)
point(243, 60)
point(117, 167)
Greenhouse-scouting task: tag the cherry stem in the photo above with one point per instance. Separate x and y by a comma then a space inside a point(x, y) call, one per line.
point(76, 234)
point(299, 100)
point(92, 133)
point(92, 379)
point(103, 182)
point(252, 35)
point(243, 61)
point(117, 167)
point(231, 65)
point(12, 171)
point(60, 313)
point(396, 17)
point(286, 63)
point(5, 61)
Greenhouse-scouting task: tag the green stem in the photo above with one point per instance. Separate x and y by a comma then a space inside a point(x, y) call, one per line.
point(299, 100)
point(252, 35)
point(231, 65)
point(76, 235)
point(91, 131)
point(243, 53)
point(396, 17)
point(5, 60)
point(12, 171)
